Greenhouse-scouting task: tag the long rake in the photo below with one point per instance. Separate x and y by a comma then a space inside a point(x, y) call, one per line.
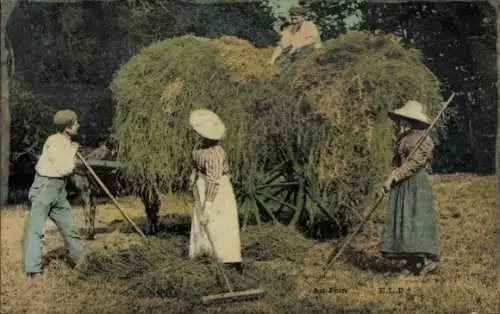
point(231, 296)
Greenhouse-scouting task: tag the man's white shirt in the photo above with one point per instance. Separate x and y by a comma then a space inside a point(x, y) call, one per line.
point(307, 35)
point(58, 157)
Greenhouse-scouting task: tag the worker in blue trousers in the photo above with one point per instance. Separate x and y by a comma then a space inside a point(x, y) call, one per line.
point(48, 196)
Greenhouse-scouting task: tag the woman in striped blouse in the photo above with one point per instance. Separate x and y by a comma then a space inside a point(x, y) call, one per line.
point(215, 201)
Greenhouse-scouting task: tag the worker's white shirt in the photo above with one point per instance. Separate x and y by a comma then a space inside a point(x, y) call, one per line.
point(308, 34)
point(58, 157)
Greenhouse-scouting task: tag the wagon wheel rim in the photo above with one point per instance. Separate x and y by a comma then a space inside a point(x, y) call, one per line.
point(281, 190)
point(254, 197)
point(284, 188)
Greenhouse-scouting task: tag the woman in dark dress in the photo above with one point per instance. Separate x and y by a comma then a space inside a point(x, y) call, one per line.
point(410, 230)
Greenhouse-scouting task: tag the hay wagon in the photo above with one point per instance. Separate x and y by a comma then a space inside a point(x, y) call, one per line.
point(308, 145)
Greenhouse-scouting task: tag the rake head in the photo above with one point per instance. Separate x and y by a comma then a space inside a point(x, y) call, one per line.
point(237, 296)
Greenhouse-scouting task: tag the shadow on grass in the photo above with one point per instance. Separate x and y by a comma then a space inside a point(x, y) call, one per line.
point(57, 254)
point(168, 225)
point(369, 262)
point(98, 230)
point(54, 255)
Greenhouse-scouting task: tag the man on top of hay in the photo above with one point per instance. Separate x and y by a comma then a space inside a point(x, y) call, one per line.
point(48, 196)
point(215, 206)
point(410, 231)
point(296, 40)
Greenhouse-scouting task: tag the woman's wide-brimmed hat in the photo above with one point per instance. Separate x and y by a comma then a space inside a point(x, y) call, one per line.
point(412, 110)
point(207, 124)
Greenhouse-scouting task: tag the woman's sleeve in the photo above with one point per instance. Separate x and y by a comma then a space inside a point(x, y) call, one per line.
point(418, 160)
point(214, 169)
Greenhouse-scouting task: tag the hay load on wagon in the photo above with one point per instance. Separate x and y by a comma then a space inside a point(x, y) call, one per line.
point(348, 87)
point(306, 142)
point(156, 90)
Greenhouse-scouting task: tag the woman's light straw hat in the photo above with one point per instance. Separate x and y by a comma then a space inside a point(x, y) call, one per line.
point(412, 110)
point(207, 124)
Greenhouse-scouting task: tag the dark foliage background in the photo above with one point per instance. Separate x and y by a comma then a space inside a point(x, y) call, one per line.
point(66, 56)
point(457, 41)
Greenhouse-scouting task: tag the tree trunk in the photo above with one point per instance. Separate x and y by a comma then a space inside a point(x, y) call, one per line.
point(7, 8)
point(495, 4)
point(498, 120)
point(5, 118)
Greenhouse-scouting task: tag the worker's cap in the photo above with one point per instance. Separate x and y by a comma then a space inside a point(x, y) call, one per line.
point(296, 11)
point(64, 117)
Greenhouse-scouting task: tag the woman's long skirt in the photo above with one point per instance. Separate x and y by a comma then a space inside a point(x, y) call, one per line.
point(222, 224)
point(410, 229)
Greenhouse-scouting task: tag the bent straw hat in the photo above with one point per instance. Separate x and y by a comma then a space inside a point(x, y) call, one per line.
point(207, 124)
point(64, 117)
point(412, 110)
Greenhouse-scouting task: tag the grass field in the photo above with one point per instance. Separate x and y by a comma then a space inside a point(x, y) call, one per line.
point(466, 280)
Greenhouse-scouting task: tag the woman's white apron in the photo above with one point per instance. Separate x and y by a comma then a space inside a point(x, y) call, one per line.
point(222, 223)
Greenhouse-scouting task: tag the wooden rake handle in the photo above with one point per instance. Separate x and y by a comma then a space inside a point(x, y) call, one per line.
point(217, 262)
point(209, 237)
point(333, 257)
point(110, 195)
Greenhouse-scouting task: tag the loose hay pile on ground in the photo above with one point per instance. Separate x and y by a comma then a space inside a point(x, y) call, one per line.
point(274, 242)
point(330, 111)
point(160, 270)
point(465, 205)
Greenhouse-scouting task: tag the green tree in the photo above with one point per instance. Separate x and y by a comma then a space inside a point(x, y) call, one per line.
point(7, 7)
point(330, 17)
point(458, 44)
point(497, 10)
point(67, 48)
point(87, 43)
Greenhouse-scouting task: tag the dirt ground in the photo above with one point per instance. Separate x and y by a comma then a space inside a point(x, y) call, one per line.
point(466, 280)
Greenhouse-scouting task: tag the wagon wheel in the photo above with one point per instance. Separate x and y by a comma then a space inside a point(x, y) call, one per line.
point(253, 197)
point(283, 192)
